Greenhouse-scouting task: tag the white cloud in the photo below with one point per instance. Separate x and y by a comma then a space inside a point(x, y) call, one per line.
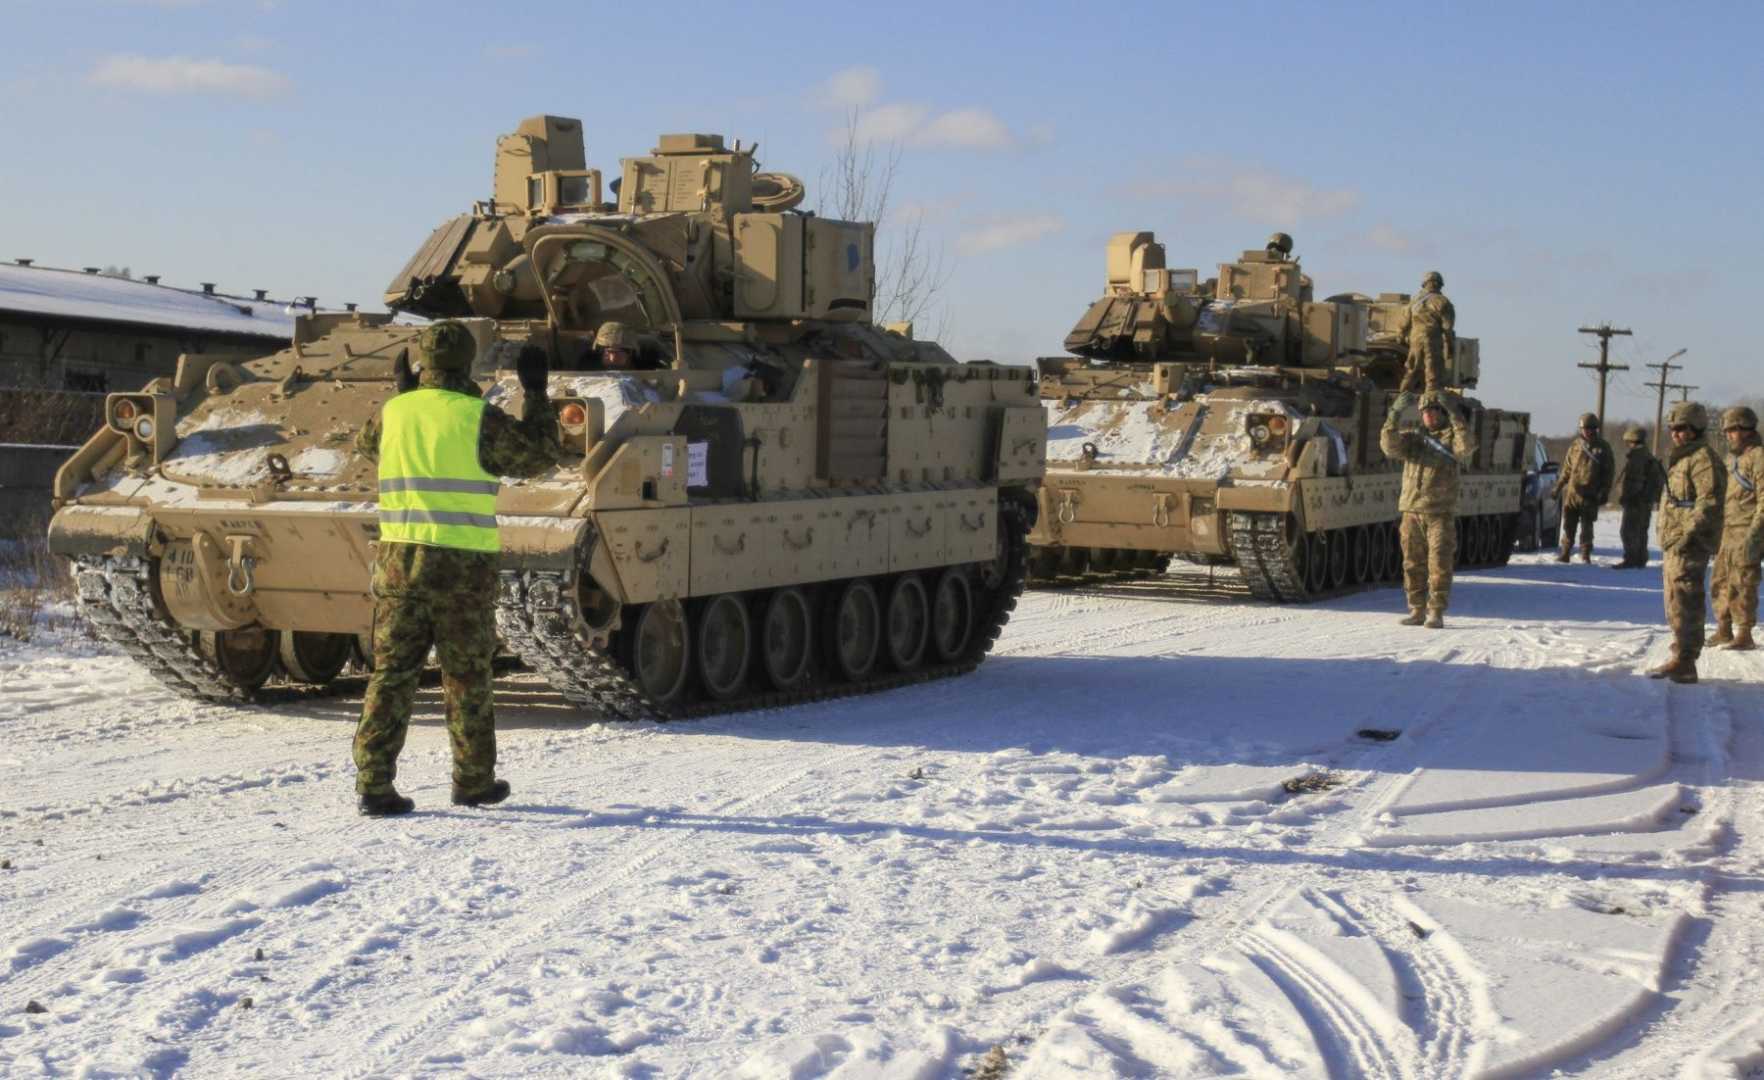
point(887, 123)
point(1251, 192)
point(972, 128)
point(1001, 233)
point(853, 88)
point(184, 75)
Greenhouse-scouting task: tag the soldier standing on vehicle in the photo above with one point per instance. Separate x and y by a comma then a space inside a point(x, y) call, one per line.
point(1690, 527)
point(1643, 480)
point(440, 450)
point(1432, 341)
point(1584, 484)
point(1735, 582)
point(1429, 501)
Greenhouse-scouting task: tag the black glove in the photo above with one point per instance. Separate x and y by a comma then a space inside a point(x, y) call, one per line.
point(407, 379)
point(532, 367)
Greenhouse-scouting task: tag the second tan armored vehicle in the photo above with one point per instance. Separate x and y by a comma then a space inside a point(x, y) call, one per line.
point(776, 500)
point(1234, 421)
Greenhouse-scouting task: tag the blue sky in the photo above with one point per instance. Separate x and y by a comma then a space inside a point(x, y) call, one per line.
point(1560, 163)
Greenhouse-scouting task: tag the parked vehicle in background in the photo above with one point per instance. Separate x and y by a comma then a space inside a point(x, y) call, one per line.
point(1540, 508)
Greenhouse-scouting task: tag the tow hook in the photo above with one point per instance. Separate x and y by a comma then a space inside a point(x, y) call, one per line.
point(240, 566)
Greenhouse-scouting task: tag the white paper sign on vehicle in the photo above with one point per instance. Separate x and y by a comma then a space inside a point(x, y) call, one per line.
point(697, 464)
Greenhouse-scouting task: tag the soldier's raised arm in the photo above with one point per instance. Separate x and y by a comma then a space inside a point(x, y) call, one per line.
point(1394, 442)
point(532, 444)
point(1463, 439)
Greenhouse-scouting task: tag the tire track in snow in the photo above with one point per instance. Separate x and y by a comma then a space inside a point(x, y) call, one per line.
point(385, 1043)
point(1334, 1019)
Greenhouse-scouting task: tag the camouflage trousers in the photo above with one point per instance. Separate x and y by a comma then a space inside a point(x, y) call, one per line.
point(1426, 363)
point(1430, 550)
point(1682, 580)
point(445, 598)
point(1579, 518)
point(1635, 533)
point(1734, 585)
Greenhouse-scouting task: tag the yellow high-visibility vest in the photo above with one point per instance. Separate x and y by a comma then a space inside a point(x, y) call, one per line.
point(432, 489)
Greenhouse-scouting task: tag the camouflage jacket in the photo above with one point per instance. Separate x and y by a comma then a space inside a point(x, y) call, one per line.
point(1743, 511)
point(1643, 479)
point(1433, 315)
point(1690, 508)
point(1586, 474)
point(1430, 467)
point(506, 446)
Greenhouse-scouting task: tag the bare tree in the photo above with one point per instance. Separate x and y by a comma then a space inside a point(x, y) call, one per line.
point(911, 270)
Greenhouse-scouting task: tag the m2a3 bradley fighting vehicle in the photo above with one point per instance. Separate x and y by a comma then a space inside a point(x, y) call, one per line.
point(1235, 422)
point(762, 496)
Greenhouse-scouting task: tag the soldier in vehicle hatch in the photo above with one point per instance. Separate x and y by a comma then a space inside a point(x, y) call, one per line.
point(1642, 481)
point(1429, 501)
point(1690, 529)
point(1584, 484)
point(615, 347)
point(1735, 582)
point(1431, 319)
point(440, 450)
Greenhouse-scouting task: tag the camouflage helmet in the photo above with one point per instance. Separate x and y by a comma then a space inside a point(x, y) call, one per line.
point(1740, 416)
point(447, 346)
point(615, 335)
point(1433, 399)
point(1589, 420)
point(1280, 242)
point(1689, 414)
point(1635, 435)
point(1433, 278)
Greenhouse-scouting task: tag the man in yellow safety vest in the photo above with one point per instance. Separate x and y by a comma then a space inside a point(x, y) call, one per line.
point(441, 449)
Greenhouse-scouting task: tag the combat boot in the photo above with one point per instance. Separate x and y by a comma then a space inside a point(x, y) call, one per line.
point(1435, 620)
point(1565, 555)
point(1416, 618)
point(385, 804)
point(1586, 553)
point(495, 793)
point(1742, 640)
point(1674, 669)
point(1723, 632)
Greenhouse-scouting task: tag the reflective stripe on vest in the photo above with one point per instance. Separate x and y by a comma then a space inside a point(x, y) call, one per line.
point(433, 491)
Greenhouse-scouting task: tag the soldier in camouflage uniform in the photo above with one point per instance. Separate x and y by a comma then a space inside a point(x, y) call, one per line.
point(429, 593)
point(1735, 582)
point(1643, 480)
point(1429, 501)
point(1584, 485)
point(1431, 319)
point(1690, 528)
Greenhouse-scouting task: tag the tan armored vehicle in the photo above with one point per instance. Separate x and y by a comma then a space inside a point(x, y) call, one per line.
point(775, 499)
point(1234, 421)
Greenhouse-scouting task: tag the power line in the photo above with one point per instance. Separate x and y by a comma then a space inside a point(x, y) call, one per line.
point(1604, 367)
point(1683, 391)
point(1665, 368)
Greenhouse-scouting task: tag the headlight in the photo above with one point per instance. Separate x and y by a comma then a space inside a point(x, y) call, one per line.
point(1259, 434)
point(1277, 424)
point(143, 428)
point(572, 415)
point(125, 411)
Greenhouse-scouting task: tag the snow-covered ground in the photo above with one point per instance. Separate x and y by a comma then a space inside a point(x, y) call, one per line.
point(1086, 855)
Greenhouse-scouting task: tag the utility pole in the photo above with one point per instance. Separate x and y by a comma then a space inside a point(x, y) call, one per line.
point(1665, 367)
point(1683, 391)
point(1604, 367)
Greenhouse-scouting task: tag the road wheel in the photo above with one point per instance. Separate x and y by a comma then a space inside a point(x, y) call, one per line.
point(314, 657)
point(1377, 557)
point(246, 658)
point(1393, 567)
point(856, 640)
point(1530, 536)
point(658, 650)
point(725, 642)
point(786, 628)
point(1316, 562)
point(952, 615)
point(1462, 554)
point(1338, 558)
point(1044, 563)
point(909, 623)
